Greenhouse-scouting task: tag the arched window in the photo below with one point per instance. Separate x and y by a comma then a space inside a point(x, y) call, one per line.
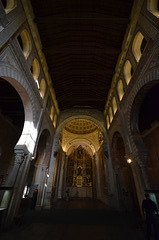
point(52, 113)
point(9, 5)
point(25, 43)
point(138, 46)
point(128, 71)
point(108, 123)
point(114, 105)
point(49, 103)
point(35, 69)
point(110, 114)
point(55, 120)
point(152, 6)
point(120, 89)
point(42, 88)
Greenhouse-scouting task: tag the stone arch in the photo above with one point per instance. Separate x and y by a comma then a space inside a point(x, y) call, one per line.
point(11, 125)
point(96, 150)
point(43, 144)
point(11, 75)
point(95, 119)
point(144, 85)
point(137, 103)
point(38, 169)
point(141, 147)
point(123, 173)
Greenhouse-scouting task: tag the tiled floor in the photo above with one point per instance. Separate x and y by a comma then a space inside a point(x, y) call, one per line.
point(76, 220)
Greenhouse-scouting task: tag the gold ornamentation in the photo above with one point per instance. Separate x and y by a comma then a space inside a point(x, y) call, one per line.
point(79, 168)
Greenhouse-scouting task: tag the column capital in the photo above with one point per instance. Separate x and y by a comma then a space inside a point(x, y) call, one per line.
point(20, 156)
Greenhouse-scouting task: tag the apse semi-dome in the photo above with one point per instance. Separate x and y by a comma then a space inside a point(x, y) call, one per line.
point(80, 126)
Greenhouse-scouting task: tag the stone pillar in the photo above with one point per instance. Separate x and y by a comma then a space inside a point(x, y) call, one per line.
point(140, 174)
point(140, 157)
point(94, 168)
point(138, 153)
point(16, 180)
point(98, 182)
point(64, 176)
point(136, 171)
point(49, 189)
point(144, 170)
point(41, 179)
point(61, 175)
point(14, 168)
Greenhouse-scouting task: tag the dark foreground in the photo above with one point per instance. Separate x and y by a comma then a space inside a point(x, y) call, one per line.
point(76, 220)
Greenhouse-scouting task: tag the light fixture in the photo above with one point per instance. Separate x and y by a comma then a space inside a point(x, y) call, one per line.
point(129, 160)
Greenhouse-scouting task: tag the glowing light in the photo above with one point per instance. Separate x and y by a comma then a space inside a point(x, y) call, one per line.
point(129, 160)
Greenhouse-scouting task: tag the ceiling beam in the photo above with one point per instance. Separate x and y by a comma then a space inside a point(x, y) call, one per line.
point(86, 99)
point(80, 87)
point(52, 19)
point(106, 50)
point(62, 71)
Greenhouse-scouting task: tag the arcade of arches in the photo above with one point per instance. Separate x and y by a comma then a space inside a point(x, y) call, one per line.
point(111, 155)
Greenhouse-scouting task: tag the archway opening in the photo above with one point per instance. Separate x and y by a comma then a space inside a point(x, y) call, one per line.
point(33, 195)
point(148, 113)
point(80, 159)
point(124, 177)
point(149, 129)
point(11, 124)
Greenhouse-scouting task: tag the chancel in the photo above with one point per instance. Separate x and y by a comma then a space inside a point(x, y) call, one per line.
point(79, 119)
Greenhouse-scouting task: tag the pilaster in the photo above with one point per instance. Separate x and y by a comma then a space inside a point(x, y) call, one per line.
point(61, 175)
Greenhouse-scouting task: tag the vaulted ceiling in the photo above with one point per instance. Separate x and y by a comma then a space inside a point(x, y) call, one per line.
point(81, 41)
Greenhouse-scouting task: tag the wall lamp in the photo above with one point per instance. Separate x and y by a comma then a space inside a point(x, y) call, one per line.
point(129, 160)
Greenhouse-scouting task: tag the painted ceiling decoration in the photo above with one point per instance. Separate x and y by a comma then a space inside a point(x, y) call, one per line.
point(81, 126)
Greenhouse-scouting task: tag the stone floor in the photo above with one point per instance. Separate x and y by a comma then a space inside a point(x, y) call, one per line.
point(76, 220)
